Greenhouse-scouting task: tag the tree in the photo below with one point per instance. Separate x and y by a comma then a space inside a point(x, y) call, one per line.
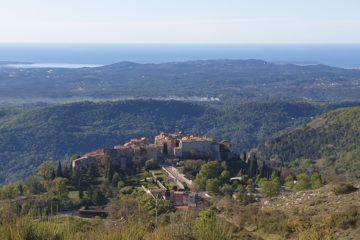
point(46, 170)
point(92, 172)
point(162, 206)
point(241, 193)
point(9, 192)
point(21, 188)
point(269, 188)
point(60, 189)
point(110, 172)
point(207, 228)
point(76, 178)
point(289, 181)
point(67, 171)
point(303, 182)
point(81, 193)
point(165, 149)
point(126, 190)
point(98, 197)
point(53, 175)
point(192, 167)
point(227, 189)
point(34, 185)
point(265, 171)
point(150, 164)
point(316, 180)
point(253, 166)
point(59, 170)
point(116, 178)
point(212, 185)
point(225, 176)
point(208, 171)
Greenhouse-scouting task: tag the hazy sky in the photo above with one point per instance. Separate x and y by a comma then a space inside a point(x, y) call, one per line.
point(180, 21)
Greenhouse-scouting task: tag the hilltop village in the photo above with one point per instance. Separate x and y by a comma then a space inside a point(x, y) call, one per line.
point(167, 150)
point(166, 147)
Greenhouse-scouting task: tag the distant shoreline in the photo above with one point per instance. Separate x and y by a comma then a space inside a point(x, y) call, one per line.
point(25, 65)
point(336, 55)
point(48, 65)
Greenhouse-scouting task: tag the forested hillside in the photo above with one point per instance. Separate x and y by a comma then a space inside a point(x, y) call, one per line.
point(331, 142)
point(30, 136)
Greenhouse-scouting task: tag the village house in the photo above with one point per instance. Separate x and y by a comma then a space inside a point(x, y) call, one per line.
point(137, 151)
point(181, 198)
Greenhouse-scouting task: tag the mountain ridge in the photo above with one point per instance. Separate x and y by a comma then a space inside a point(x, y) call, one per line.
point(228, 80)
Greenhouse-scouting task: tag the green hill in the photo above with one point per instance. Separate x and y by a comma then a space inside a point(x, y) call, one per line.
point(330, 143)
point(29, 136)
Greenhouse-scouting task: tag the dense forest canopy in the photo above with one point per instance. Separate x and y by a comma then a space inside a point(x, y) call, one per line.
point(331, 142)
point(32, 135)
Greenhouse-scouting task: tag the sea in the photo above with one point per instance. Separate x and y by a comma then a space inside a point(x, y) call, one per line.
point(92, 55)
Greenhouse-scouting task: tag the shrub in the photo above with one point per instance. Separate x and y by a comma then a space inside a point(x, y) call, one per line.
point(269, 188)
point(303, 182)
point(126, 190)
point(343, 188)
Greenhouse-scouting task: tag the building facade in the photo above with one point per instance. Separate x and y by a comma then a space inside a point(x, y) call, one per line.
point(137, 151)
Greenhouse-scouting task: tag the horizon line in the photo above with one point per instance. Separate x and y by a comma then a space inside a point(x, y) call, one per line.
point(186, 43)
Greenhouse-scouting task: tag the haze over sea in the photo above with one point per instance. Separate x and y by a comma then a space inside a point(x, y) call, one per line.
point(79, 55)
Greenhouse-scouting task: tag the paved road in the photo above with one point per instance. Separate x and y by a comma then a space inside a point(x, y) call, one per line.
point(179, 176)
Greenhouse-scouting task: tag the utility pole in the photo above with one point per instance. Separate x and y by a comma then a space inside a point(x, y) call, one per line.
point(156, 207)
point(156, 210)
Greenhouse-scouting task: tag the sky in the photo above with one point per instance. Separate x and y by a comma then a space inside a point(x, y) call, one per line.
point(180, 21)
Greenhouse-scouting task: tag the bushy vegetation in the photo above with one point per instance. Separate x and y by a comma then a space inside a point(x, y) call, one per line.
point(343, 188)
point(329, 144)
point(340, 220)
point(30, 136)
point(30, 207)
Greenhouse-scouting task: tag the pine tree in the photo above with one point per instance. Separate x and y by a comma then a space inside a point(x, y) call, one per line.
point(110, 173)
point(66, 172)
point(53, 175)
point(75, 177)
point(92, 171)
point(165, 149)
point(264, 171)
point(244, 157)
point(253, 166)
point(59, 170)
point(81, 193)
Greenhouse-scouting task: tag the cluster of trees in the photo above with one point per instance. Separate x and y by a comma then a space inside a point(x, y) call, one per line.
point(333, 138)
point(54, 182)
point(256, 179)
point(213, 177)
point(49, 180)
point(208, 227)
point(87, 126)
point(151, 164)
point(191, 167)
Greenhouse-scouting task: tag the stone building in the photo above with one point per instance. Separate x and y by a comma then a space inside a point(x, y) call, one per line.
point(137, 151)
point(194, 147)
